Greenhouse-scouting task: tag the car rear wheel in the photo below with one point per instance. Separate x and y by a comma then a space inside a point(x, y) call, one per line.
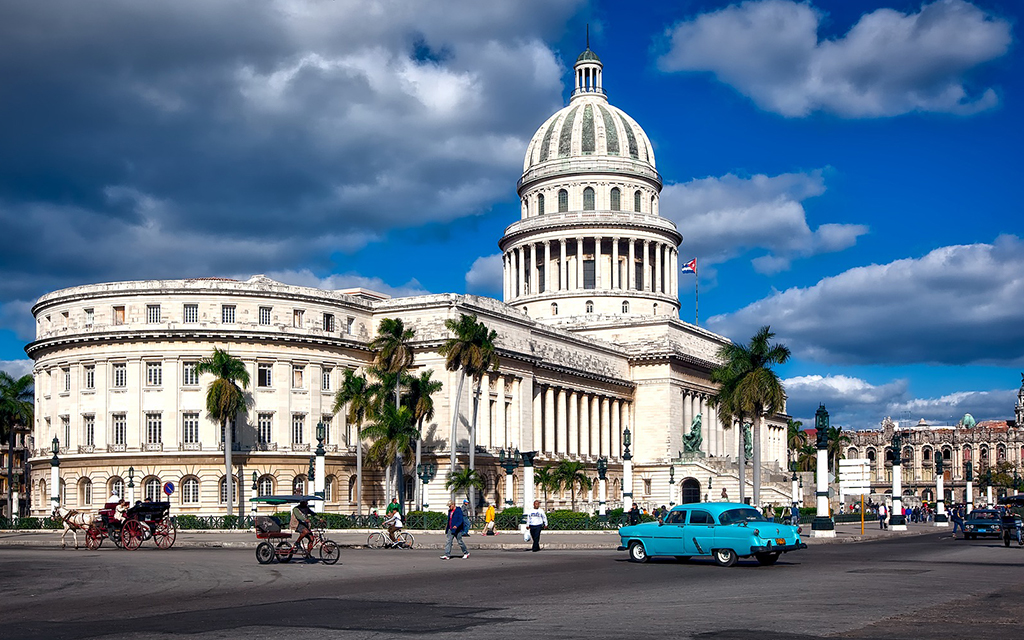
point(637, 553)
point(725, 557)
point(767, 559)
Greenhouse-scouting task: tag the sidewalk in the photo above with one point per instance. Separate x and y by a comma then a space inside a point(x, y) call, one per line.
point(504, 541)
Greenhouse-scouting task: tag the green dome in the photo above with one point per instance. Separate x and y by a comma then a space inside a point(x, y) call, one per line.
point(588, 55)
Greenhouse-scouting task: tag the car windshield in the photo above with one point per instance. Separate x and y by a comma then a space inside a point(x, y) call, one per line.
point(984, 515)
point(733, 516)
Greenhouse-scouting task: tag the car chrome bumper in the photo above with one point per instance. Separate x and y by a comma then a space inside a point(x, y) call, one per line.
point(779, 548)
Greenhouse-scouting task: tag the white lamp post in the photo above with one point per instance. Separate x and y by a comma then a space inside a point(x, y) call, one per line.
point(823, 526)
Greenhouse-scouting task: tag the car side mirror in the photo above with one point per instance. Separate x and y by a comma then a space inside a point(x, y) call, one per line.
point(660, 523)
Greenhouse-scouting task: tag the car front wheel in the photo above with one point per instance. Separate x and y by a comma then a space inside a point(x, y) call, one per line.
point(637, 553)
point(725, 557)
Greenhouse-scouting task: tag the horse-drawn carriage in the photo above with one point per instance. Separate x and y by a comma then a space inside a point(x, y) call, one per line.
point(143, 521)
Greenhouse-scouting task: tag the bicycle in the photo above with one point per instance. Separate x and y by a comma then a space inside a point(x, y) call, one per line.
point(382, 540)
point(330, 552)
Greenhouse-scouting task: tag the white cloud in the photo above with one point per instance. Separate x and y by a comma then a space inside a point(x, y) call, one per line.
point(856, 403)
point(485, 275)
point(306, 278)
point(888, 63)
point(959, 304)
point(721, 218)
point(16, 368)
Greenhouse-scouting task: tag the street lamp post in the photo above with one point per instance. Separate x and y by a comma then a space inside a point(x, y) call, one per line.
point(707, 496)
point(255, 491)
point(602, 488)
point(897, 521)
point(509, 460)
point(627, 472)
point(940, 493)
point(131, 485)
point(969, 476)
point(426, 472)
point(823, 526)
point(671, 485)
point(54, 474)
point(320, 468)
point(528, 489)
point(795, 512)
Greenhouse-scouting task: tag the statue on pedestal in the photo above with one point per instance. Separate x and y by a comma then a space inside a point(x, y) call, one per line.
point(748, 442)
point(693, 440)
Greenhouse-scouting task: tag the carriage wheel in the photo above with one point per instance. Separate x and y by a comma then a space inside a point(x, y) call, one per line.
point(265, 553)
point(285, 551)
point(165, 534)
point(114, 533)
point(93, 538)
point(329, 552)
point(132, 534)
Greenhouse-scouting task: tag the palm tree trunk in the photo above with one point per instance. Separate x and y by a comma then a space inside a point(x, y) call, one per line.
point(455, 421)
point(472, 443)
point(359, 471)
point(400, 479)
point(741, 466)
point(228, 476)
point(419, 460)
point(12, 509)
point(757, 459)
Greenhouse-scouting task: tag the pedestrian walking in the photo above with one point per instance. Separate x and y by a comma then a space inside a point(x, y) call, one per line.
point(489, 529)
point(634, 514)
point(454, 530)
point(883, 514)
point(536, 521)
point(957, 516)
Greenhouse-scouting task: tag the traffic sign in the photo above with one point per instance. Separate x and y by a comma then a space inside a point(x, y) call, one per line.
point(855, 476)
point(168, 488)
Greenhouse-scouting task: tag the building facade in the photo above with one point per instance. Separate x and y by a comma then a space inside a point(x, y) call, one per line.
point(589, 340)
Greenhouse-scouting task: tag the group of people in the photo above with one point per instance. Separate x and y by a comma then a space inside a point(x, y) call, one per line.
point(921, 513)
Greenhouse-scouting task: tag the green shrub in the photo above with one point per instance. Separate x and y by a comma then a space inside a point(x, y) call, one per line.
point(430, 520)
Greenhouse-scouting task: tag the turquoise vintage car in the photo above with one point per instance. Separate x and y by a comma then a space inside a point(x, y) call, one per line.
point(725, 531)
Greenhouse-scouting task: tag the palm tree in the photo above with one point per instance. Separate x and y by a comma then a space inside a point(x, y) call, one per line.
point(16, 409)
point(836, 440)
point(470, 352)
point(546, 479)
point(393, 435)
point(394, 355)
point(420, 400)
point(355, 393)
point(730, 413)
point(755, 389)
point(807, 458)
point(225, 399)
point(464, 480)
point(796, 438)
point(573, 474)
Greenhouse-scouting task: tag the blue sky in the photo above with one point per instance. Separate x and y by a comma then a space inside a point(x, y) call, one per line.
point(845, 172)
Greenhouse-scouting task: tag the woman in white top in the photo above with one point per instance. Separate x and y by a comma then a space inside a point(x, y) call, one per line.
point(536, 520)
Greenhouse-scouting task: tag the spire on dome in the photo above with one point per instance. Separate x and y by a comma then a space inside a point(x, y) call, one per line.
point(588, 70)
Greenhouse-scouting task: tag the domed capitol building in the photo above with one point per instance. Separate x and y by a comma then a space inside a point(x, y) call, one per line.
point(589, 338)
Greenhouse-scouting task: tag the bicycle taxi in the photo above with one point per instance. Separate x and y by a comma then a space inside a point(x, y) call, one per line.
point(275, 538)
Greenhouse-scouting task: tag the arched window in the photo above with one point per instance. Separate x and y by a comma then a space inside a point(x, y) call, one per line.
point(329, 489)
point(690, 491)
point(636, 201)
point(265, 487)
point(44, 495)
point(540, 204)
point(299, 485)
point(115, 485)
point(926, 454)
point(967, 454)
point(653, 208)
point(190, 491)
point(588, 199)
point(908, 454)
point(563, 200)
point(151, 489)
point(655, 308)
point(1001, 454)
point(590, 306)
point(615, 199)
point(352, 489)
point(224, 491)
point(625, 307)
point(851, 452)
point(85, 492)
point(871, 455)
point(983, 456)
point(554, 308)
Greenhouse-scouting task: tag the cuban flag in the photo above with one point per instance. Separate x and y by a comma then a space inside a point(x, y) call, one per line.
point(690, 267)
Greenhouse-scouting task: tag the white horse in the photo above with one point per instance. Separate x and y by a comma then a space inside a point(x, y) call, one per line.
point(73, 521)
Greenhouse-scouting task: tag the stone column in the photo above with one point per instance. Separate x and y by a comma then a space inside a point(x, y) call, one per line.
point(647, 284)
point(597, 441)
point(674, 267)
point(574, 424)
point(538, 415)
point(547, 265)
point(520, 272)
point(614, 423)
point(586, 446)
point(562, 437)
point(504, 276)
point(534, 272)
point(549, 419)
point(658, 275)
point(616, 277)
point(597, 262)
point(579, 263)
point(631, 267)
point(563, 268)
point(687, 411)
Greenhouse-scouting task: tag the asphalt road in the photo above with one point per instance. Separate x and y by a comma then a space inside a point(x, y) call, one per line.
point(919, 587)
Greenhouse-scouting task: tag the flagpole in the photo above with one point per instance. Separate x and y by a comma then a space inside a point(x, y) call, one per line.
point(696, 300)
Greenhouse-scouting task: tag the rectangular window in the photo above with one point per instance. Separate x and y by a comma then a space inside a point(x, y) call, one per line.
point(89, 428)
point(589, 281)
point(120, 376)
point(66, 374)
point(154, 374)
point(638, 274)
point(189, 376)
point(64, 316)
point(119, 315)
point(325, 379)
point(190, 428)
point(265, 316)
point(190, 313)
point(326, 419)
point(298, 421)
point(265, 426)
point(119, 428)
point(297, 375)
point(227, 314)
point(89, 376)
point(264, 375)
point(65, 422)
point(154, 428)
point(90, 317)
point(297, 318)
point(329, 322)
point(350, 324)
point(152, 313)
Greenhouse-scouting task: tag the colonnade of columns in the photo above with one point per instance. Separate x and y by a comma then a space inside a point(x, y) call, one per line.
point(539, 267)
point(573, 422)
point(698, 403)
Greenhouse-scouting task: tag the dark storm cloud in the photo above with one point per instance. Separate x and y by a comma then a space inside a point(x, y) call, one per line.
point(209, 137)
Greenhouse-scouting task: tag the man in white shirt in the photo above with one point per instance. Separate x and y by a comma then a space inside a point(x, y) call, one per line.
point(536, 520)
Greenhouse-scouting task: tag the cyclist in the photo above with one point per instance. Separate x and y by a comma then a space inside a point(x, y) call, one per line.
point(301, 513)
point(394, 524)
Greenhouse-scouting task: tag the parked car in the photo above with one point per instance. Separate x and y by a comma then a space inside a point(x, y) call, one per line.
point(983, 522)
point(725, 531)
